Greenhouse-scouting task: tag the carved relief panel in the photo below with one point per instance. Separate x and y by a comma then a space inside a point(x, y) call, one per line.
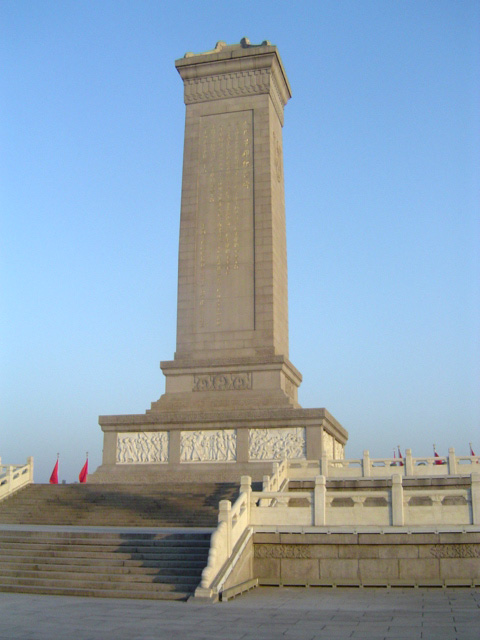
point(338, 450)
point(145, 447)
point(208, 446)
point(222, 382)
point(328, 445)
point(277, 443)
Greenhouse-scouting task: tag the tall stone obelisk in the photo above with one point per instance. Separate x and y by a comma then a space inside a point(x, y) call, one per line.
point(230, 399)
point(232, 313)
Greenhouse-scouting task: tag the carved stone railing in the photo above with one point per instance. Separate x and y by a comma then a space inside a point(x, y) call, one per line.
point(14, 477)
point(279, 477)
point(233, 522)
point(367, 467)
point(382, 506)
point(376, 502)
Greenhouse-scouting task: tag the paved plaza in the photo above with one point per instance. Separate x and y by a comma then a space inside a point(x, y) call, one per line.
point(263, 614)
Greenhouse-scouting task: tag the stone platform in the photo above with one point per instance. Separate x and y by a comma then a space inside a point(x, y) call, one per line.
point(213, 446)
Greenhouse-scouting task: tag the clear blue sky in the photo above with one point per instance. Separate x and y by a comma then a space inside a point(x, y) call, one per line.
point(382, 166)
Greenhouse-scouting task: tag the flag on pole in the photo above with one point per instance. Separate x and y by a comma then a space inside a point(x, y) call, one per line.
point(54, 476)
point(84, 472)
point(472, 452)
point(394, 463)
point(437, 457)
point(400, 456)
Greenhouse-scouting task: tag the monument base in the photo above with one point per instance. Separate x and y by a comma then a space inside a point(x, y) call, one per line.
point(213, 446)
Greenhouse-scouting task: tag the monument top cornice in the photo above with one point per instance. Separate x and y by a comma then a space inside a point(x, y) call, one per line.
point(233, 58)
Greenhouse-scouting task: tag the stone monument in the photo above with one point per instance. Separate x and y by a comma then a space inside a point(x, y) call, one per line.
point(230, 405)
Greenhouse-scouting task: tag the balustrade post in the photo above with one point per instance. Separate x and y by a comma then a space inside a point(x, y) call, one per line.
point(475, 491)
point(320, 499)
point(225, 515)
point(9, 476)
point(30, 468)
point(398, 519)
point(276, 476)
point(246, 487)
point(366, 470)
point(409, 463)
point(266, 483)
point(452, 461)
point(324, 465)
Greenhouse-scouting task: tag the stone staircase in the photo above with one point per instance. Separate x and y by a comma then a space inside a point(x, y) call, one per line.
point(71, 558)
point(119, 505)
point(164, 566)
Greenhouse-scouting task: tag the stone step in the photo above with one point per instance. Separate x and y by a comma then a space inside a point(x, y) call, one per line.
point(96, 593)
point(174, 583)
point(111, 548)
point(99, 539)
point(70, 554)
point(173, 567)
point(172, 559)
point(167, 575)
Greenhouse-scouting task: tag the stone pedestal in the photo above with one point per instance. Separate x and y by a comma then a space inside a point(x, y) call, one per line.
point(230, 405)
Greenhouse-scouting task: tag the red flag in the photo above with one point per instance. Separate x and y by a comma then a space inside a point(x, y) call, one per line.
point(84, 472)
point(472, 452)
point(437, 456)
point(400, 456)
point(54, 476)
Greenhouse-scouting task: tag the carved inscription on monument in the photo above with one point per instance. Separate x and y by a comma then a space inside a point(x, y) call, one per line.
point(142, 447)
point(208, 446)
point(276, 444)
point(222, 382)
point(224, 298)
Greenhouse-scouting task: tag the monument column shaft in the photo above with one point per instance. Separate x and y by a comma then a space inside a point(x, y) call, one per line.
point(232, 274)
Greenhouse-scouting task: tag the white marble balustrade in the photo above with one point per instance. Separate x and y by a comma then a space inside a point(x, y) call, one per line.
point(14, 477)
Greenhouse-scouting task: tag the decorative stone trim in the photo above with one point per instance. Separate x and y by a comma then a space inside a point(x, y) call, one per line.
point(282, 551)
point(455, 551)
point(145, 447)
point(233, 85)
point(208, 445)
point(222, 382)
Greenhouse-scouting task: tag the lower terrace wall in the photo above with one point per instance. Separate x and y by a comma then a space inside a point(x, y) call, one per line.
point(367, 559)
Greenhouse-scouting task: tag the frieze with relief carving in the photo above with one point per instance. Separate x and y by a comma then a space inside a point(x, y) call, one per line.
point(144, 447)
point(208, 446)
point(276, 444)
point(222, 382)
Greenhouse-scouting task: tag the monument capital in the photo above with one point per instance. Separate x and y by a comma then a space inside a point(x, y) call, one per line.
point(235, 70)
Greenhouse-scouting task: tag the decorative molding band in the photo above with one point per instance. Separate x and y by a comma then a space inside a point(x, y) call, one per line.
point(143, 447)
point(455, 551)
point(222, 382)
point(232, 85)
point(208, 446)
point(283, 550)
point(277, 443)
